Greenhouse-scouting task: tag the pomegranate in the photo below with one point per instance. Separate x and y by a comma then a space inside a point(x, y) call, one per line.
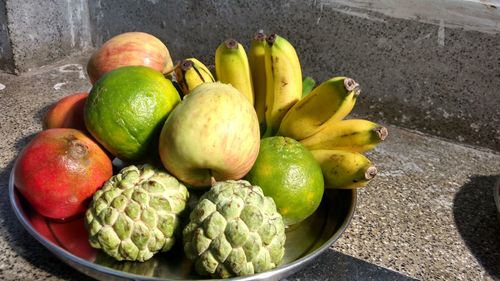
point(59, 170)
point(67, 113)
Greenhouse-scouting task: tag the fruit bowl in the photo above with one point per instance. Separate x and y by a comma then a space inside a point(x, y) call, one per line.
point(68, 241)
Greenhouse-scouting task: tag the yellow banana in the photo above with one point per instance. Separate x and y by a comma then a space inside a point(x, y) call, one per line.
point(344, 169)
point(330, 102)
point(231, 67)
point(191, 73)
point(355, 135)
point(256, 59)
point(283, 79)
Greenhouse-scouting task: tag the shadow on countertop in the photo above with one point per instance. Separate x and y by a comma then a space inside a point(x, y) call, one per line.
point(22, 245)
point(478, 223)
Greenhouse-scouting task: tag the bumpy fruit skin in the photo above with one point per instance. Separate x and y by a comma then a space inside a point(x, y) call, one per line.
point(59, 170)
point(126, 49)
point(67, 113)
point(234, 230)
point(136, 213)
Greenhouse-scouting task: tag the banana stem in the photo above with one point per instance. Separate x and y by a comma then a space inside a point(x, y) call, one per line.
point(267, 133)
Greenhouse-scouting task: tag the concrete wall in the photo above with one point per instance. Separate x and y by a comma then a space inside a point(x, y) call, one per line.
point(44, 31)
point(433, 66)
point(428, 65)
point(6, 56)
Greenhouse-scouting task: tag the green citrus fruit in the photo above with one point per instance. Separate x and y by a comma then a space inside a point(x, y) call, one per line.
point(126, 109)
point(288, 172)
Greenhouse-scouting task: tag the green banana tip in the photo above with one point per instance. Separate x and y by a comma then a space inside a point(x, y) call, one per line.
point(309, 79)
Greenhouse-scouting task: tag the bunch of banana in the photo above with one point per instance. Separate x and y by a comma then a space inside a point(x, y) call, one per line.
point(317, 121)
point(270, 77)
point(330, 102)
point(289, 105)
point(191, 73)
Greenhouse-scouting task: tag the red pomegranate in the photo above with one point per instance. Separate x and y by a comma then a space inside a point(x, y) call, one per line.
point(59, 170)
point(67, 113)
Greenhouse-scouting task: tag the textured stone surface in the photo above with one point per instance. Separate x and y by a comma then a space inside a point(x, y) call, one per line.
point(110, 18)
point(426, 65)
point(431, 76)
point(429, 214)
point(23, 103)
point(333, 265)
point(6, 56)
point(44, 31)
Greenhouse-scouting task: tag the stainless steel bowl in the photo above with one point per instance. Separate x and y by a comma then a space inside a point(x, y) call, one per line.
point(304, 243)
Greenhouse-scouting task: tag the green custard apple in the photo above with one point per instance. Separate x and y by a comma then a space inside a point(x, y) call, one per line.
point(136, 213)
point(234, 230)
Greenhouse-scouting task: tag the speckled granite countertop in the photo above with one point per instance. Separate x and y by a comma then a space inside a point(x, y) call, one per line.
point(429, 214)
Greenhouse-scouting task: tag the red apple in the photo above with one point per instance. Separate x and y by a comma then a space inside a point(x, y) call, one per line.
point(67, 113)
point(130, 48)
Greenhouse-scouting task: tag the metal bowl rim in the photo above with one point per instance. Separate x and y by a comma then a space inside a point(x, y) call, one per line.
point(63, 254)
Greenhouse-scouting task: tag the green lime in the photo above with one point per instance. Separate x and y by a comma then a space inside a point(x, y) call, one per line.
point(126, 109)
point(288, 172)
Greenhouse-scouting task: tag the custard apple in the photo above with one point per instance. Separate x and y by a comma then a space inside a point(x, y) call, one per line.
point(136, 213)
point(234, 230)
